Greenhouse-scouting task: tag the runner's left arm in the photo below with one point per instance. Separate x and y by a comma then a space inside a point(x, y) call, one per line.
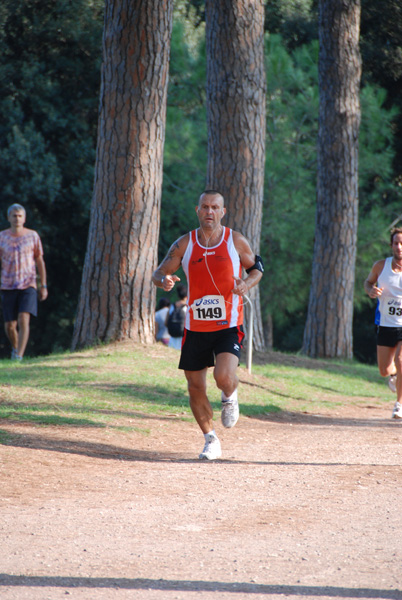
point(250, 262)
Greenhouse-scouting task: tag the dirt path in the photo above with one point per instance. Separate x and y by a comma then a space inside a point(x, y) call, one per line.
point(299, 507)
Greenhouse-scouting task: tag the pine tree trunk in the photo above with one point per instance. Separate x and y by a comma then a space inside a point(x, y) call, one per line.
point(117, 297)
point(328, 331)
point(236, 105)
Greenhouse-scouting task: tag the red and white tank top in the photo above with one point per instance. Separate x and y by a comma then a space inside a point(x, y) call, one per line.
point(209, 272)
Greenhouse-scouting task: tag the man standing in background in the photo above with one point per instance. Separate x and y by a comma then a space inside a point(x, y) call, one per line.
point(21, 253)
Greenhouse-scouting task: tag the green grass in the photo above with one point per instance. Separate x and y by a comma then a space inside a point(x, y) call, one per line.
point(121, 387)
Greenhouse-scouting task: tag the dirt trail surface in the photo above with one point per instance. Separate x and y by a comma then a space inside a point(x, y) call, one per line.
point(300, 506)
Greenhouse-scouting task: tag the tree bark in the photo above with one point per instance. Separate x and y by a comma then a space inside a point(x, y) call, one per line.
point(117, 297)
point(328, 331)
point(236, 105)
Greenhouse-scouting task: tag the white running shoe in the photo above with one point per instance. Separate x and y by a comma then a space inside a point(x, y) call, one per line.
point(397, 412)
point(392, 383)
point(212, 449)
point(230, 411)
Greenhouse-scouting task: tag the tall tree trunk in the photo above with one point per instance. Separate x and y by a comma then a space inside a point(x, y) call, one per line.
point(328, 331)
point(236, 97)
point(117, 298)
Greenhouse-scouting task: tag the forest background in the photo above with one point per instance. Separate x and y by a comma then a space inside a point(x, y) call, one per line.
point(50, 62)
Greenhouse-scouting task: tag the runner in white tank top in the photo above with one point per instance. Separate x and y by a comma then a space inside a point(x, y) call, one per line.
point(384, 284)
point(390, 301)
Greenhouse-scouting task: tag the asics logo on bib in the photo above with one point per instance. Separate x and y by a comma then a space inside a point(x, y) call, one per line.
point(206, 301)
point(209, 308)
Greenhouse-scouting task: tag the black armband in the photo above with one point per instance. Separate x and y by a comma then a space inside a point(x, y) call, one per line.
point(259, 265)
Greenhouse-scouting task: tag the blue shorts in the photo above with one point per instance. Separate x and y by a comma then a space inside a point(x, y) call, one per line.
point(389, 336)
point(18, 301)
point(199, 349)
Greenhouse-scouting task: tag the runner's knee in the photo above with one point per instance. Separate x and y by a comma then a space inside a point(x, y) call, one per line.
point(196, 385)
point(398, 362)
point(388, 369)
point(225, 380)
point(385, 371)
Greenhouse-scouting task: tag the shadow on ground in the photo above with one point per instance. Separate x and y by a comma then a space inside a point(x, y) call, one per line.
point(112, 452)
point(196, 586)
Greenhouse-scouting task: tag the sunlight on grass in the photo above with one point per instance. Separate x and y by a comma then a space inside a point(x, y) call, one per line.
point(118, 386)
point(330, 385)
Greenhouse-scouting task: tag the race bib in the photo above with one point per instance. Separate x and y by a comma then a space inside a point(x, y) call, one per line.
point(209, 308)
point(394, 309)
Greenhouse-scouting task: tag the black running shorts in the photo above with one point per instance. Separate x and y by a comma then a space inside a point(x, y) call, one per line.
point(18, 301)
point(199, 349)
point(389, 336)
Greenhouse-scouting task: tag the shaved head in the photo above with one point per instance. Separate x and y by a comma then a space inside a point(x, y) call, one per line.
point(210, 193)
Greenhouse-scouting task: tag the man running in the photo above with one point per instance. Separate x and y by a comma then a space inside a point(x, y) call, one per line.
point(212, 258)
point(384, 283)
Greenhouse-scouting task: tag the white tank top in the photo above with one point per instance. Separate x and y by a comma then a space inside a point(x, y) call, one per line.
point(390, 301)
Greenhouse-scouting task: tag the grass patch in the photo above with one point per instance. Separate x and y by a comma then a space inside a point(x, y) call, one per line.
point(5, 437)
point(297, 383)
point(119, 386)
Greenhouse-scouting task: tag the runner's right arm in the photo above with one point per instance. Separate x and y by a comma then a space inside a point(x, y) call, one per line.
point(163, 277)
point(370, 284)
